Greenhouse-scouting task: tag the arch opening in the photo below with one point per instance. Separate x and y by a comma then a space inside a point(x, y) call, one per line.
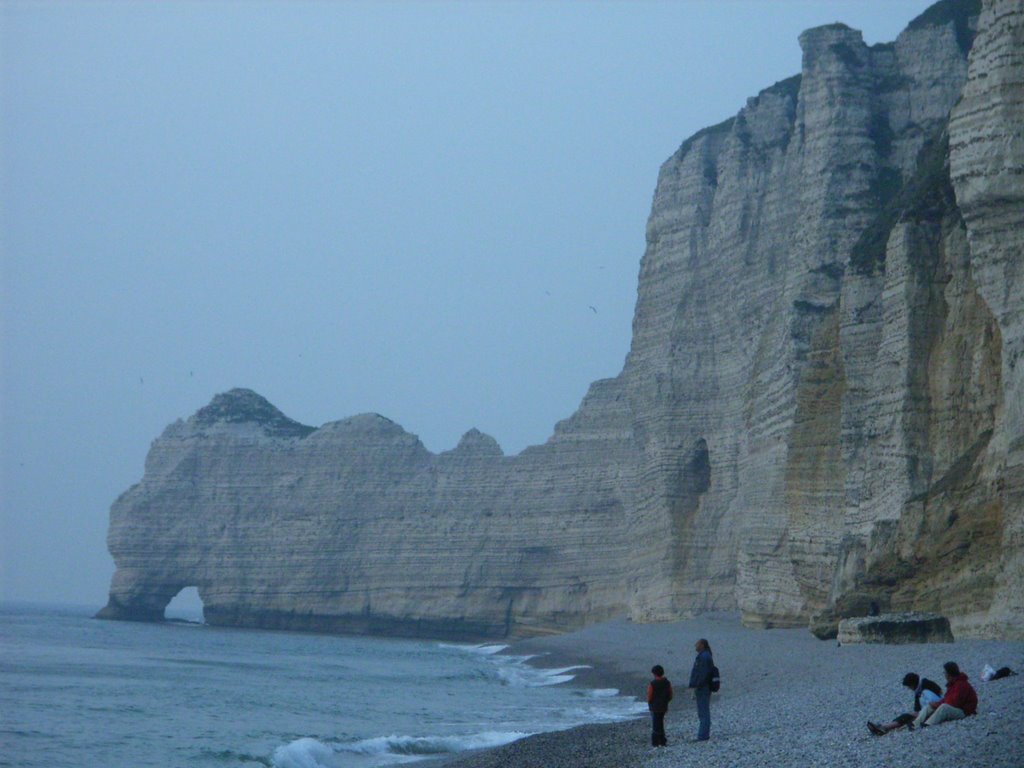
point(186, 606)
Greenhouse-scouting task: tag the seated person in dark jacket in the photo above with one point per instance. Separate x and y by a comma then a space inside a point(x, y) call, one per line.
point(925, 692)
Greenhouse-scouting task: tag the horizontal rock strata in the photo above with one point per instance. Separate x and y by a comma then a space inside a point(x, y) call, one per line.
point(821, 407)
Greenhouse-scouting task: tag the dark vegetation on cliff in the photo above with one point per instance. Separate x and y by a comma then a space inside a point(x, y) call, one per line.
point(927, 196)
point(960, 12)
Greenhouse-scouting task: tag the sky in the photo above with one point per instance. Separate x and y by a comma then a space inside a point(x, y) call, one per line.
point(430, 210)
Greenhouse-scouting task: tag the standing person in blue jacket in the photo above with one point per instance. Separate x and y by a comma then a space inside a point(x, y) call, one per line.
point(700, 681)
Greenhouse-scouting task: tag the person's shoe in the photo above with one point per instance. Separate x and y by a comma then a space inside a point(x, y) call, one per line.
point(875, 729)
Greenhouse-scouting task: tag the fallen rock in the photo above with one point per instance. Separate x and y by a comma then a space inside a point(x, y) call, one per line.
point(896, 628)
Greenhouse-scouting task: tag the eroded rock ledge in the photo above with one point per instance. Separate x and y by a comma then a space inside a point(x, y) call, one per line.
point(821, 408)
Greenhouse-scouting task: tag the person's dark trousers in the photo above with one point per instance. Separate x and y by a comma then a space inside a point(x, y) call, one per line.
point(658, 729)
point(704, 713)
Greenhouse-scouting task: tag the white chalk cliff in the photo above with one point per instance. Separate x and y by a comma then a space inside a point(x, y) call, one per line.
point(822, 406)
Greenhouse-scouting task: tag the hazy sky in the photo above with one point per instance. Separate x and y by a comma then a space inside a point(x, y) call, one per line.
point(408, 208)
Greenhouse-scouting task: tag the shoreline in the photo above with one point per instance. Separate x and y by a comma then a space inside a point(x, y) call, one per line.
point(787, 699)
point(605, 662)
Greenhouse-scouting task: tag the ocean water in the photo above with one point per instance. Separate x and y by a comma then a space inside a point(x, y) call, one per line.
point(76, 692)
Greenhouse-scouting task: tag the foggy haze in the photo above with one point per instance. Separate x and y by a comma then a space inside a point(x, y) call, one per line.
point(432, 211)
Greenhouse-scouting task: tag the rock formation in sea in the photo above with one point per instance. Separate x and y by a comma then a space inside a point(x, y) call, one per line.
point(822, 406)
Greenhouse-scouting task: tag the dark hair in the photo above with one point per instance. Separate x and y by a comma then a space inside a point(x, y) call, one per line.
point(706, 644)
point(910, 680)
point(657, 670)
point(951, 669)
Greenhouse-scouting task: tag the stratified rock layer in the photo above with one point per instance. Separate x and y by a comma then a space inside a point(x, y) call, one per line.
point(821, 407)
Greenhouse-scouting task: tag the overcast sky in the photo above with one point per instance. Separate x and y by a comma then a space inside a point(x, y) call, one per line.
point(428, 210)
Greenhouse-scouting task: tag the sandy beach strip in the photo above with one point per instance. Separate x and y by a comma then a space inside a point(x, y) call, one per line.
point(787, 699)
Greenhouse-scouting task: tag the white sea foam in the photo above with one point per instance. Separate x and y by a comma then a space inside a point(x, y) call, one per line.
point(601, 693)
point(486, 649)
point(305, 753)
point(384, 750)
point(605, 710)
point(428, 746)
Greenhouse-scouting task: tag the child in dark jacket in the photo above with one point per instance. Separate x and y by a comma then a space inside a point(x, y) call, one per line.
point(659, 694)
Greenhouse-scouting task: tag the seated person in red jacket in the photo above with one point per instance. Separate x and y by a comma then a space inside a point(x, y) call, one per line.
point(960, 700)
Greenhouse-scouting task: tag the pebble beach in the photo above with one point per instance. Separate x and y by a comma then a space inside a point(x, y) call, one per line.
point(787, 699)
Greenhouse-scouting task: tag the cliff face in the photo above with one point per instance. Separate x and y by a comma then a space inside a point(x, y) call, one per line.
point(821, 407)
point(355, 526)
point(987, 166)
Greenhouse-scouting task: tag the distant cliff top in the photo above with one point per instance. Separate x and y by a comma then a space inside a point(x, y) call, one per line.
point(240, 406)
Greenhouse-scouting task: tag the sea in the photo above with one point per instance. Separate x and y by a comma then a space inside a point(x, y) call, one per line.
point(76, 692)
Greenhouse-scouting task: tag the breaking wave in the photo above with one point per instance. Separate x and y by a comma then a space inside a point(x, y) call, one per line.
point(426, 746)
point(584, 706)
point(519, 674)
point(513, 670)
point(384, 750)
point(305, 753)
